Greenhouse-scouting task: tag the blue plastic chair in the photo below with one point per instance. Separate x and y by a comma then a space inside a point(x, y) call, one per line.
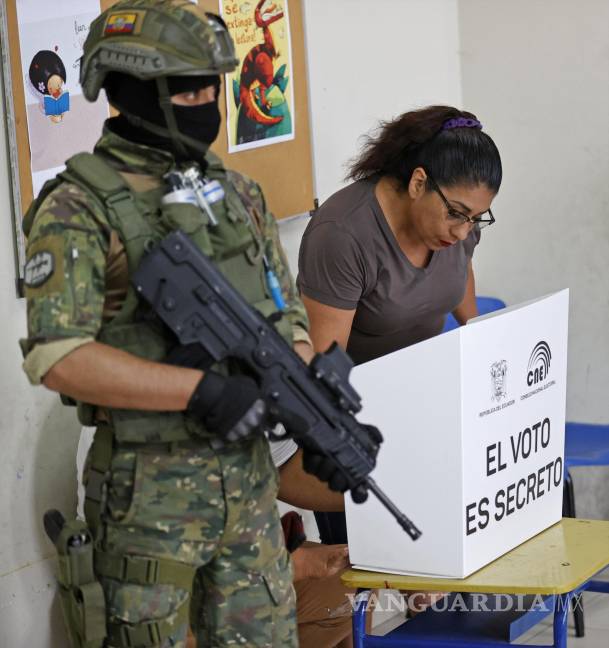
point(485, 305)
point(586, 444)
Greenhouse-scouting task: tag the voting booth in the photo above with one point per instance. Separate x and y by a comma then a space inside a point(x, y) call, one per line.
point(474, 423)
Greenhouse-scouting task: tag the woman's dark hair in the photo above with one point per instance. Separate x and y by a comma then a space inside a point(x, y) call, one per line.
point(454, 156)
point(43, 66)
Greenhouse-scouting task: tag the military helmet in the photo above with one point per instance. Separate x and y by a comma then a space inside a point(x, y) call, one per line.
point(149, 39)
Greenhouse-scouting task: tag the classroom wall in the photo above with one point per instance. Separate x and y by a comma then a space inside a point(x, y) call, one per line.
point(37, 469)
point(372, 61)
point(537, 74)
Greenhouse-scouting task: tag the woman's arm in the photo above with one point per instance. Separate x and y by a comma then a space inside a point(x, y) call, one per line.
point(298, 488)
point(467, 308)
point(327, 324)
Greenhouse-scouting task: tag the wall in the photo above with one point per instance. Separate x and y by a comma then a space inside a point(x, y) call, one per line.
point(37, 469)
point(374, 60)
point(536, 73)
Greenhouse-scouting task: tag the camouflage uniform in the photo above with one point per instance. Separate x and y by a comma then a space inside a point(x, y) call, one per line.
point(210, 511)
point(184, 526)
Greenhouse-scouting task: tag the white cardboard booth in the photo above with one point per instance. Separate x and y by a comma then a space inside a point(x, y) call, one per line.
point(474, 424)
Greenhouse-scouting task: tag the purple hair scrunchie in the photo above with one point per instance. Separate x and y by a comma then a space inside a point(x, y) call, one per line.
point(461, 122)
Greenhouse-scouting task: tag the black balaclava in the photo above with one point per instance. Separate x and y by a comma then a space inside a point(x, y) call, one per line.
point(141, 98)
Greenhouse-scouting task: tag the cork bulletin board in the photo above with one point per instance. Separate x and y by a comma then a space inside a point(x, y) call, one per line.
point(284, 170)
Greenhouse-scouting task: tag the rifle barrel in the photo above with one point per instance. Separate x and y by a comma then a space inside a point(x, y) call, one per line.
point(406, 523)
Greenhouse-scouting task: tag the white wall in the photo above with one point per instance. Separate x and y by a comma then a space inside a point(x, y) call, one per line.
point(37, 469)
point(537, 74)
point(369, 61)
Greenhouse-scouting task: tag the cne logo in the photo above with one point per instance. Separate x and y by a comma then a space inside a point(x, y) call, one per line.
point(539, 363)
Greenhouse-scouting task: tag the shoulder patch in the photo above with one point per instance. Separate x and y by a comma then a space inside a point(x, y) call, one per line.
point(39, 268)
point(44, 270)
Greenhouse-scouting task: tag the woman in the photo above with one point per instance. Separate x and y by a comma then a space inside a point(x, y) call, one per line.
point(385, 259)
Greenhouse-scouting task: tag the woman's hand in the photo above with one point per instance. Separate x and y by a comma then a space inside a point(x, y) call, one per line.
point(314, 560)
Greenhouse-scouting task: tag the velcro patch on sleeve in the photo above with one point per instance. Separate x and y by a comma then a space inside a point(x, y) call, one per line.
point(39, 268)
point(44, 270)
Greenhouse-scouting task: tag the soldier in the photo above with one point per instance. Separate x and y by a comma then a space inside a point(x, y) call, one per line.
point(174, 503)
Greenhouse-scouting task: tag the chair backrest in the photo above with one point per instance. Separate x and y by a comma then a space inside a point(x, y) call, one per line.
point(485, 305)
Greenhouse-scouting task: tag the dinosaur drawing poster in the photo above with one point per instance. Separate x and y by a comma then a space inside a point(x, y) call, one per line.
point(60, 121)
point(259, 93)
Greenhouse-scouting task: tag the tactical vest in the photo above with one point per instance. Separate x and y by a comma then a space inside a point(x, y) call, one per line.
point(141, 221)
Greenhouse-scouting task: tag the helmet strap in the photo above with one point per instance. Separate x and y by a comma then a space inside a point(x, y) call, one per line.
point(170, 118)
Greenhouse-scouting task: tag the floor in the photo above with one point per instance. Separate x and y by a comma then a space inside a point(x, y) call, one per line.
point(596, 618)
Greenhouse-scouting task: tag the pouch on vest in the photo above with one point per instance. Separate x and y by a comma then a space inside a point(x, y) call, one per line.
point(188, 218)
point(82, 596)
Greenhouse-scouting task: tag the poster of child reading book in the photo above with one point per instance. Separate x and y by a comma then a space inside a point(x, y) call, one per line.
point(60, 121)
point(48, 77)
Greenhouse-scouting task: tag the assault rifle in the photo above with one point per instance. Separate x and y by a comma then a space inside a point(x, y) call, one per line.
point(315, 402)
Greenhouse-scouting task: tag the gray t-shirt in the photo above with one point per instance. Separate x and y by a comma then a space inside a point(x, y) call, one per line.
point(350, 259)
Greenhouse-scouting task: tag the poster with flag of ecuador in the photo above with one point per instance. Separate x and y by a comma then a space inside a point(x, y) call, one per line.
point(259, 93)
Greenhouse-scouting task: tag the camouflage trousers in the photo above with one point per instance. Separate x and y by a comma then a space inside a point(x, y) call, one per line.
point(214, 510)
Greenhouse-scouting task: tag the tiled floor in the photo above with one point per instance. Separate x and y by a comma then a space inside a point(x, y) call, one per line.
point(596, 619)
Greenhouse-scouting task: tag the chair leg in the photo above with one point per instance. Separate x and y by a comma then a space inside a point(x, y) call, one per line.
point(561, 610)
point(359, 618)
point(332, 527)
point(568, 510)
point(577, 605)
point(568, 497)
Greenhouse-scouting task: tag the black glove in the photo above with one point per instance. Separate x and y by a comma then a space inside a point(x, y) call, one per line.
point(231, 407)
point(326, 470)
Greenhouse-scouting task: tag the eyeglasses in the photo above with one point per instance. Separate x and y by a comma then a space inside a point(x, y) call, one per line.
point(478, 222)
